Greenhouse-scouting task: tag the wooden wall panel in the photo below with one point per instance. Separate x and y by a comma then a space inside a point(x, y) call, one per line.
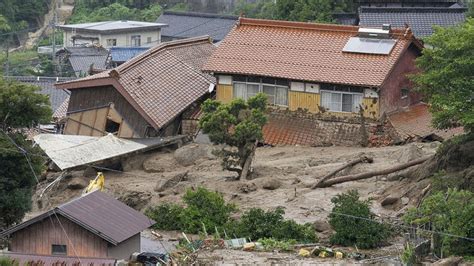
point(39, 238)
point(304, 100)
point(224, 93)
point(94, 97)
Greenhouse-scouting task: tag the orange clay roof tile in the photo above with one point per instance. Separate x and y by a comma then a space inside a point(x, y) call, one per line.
point(302, 51)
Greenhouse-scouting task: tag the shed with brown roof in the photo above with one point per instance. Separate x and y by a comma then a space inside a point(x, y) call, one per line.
point(144, 97)
point(95, 225)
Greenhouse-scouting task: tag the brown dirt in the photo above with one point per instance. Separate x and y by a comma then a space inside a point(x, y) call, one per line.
point(294, 167)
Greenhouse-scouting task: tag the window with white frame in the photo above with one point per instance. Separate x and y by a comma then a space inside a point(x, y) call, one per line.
point(111, 42)
point(136, 40)
point(275, 89)
point(342, 100)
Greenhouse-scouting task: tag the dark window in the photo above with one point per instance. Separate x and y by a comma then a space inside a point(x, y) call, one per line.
point(253, 79)
point(59, 249)
point(111, 126)
point(136, 40)
point(404, 93)
point(239, 78)
point(268, 80)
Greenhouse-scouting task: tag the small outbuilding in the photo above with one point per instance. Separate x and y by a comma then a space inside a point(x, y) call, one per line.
point(95, 225)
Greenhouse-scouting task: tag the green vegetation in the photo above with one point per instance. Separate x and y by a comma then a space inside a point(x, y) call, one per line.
point(447, 76)
point(270, 244)
point(364, 231)
point(450, 212)
point(296, 10)
point(408, 255)
point(259, 224)
point(20, 62)
point(20, 106)
point(202, 207)
point(238, 125)
point(206, 210)
point(87, 12)
point(4, 261)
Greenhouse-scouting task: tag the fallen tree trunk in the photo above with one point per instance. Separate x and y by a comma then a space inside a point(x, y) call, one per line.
point(362, 159)
point(348, 178)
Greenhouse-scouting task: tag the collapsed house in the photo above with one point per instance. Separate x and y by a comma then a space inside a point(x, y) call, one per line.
point(81, 228)
point(144, 97)
point(324, 72)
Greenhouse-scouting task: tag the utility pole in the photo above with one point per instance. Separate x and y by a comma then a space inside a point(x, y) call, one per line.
point(54, 36)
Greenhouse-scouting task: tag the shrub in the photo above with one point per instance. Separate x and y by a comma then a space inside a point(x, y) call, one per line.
point(258, 224)
point(272, 243)
point(167, 216)
point(450, 212)
point(5, 261)
point(362, 232)
point(204, 207)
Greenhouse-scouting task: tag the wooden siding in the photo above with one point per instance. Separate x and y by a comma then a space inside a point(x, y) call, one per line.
point(93, 98)
point(224, 93)
point(92, 123)
point(304, 100)
point(38, 238)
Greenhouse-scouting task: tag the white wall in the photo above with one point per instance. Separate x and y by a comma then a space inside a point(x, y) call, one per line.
point(124, 39)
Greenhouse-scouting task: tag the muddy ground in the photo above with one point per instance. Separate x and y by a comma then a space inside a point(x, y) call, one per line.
point(281, 177)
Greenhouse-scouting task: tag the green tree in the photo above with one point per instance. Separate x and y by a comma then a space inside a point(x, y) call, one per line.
point(451, 213)
point(4, 26)
point(20, 106)
point(238, 125)
point(354, 223)
point(447, 76)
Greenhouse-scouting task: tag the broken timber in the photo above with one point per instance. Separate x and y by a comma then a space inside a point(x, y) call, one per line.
point(355, 177)
point(362, 159)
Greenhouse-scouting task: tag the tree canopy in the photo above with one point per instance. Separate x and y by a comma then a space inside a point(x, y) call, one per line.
point(20, 106)
point(238, 125)
point(447, 76)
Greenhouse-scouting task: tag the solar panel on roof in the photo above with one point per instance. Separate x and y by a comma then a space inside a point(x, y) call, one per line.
point(369, 45)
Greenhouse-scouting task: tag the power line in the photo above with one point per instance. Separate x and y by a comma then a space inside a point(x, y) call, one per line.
point(320, 209)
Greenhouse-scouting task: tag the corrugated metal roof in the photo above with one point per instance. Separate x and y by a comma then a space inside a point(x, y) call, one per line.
point(192, 24)
point(420, 19)
point(123, 54)
point(81, 59)
point(113, 25)
point(68, 151)
point(98, 213)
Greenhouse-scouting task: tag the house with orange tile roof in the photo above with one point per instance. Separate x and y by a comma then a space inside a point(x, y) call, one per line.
point(144, 97)
point(321, 69)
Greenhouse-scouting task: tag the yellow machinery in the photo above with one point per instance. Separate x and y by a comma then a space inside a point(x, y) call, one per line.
point(96, 184)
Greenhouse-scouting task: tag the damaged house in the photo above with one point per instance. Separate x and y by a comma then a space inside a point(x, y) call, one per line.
point(327, 71)
point(144, 97)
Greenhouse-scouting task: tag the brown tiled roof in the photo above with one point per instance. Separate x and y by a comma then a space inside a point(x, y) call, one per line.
point(302, 51)
point(62, 109)
point(415, 122)
point(99, 213)
point(161, 82)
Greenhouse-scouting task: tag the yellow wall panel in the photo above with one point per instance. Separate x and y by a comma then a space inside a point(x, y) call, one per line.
point(371, 107)
point(304, 100)
point(224, 93)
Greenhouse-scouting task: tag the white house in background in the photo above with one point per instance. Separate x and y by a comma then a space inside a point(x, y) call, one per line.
point(122, 33)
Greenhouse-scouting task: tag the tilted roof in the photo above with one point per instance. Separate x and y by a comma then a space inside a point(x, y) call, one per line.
point(123, 54)
point(81, 58)
point(420, 19)
point(192, 24)
point(302, 51)
point(100, 214)
point(113, 26)
point(56, 97)
point(161, 82)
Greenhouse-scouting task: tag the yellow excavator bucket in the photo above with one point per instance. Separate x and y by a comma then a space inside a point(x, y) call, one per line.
point(96, 184)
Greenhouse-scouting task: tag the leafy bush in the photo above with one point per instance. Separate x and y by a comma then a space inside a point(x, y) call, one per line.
point(363, 232)
point(408, 255)
point(272, 244)
point(450, 212)
point(167, 216)
point(258, 224)
point(204, 207)
point(5, 261)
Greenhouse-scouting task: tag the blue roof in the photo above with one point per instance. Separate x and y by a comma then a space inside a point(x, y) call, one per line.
point(123, 54)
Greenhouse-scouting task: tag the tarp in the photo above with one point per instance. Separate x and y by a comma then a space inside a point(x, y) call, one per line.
point(68, 151)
